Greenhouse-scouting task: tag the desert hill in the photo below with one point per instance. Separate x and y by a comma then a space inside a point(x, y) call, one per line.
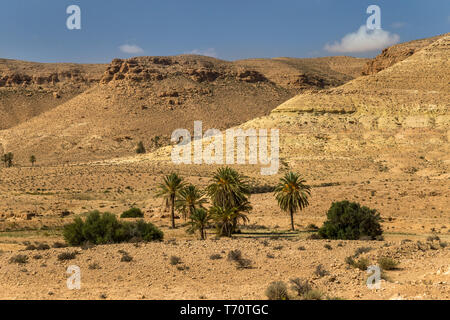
point(393, 122)
point(390, 56)
point(28, 89)
point(146, 98)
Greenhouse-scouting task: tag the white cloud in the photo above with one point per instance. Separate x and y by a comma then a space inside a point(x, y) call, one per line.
point(398, 25)
point(210, 52)
point(131, 49)
point(364, 40)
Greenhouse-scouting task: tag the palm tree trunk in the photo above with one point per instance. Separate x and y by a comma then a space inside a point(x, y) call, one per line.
point(202, 233)
point(172, 209)
point(292, 220)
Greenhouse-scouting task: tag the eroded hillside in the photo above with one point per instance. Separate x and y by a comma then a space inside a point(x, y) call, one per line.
point(28, 89)
point(146, 98)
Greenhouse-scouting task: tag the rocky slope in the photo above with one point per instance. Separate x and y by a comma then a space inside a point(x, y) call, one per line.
point(393, 122)
point(28, 89)
point(397, 53)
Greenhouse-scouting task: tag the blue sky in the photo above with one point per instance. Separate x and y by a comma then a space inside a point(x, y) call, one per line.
point(35, 30)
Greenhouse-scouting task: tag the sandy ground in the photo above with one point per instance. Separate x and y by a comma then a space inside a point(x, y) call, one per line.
point(411, 210)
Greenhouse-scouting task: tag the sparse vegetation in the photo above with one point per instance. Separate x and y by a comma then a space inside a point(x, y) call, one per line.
point(94, 266)
point(277, 291)
point(59, 245)
point(67, 256)
point(387, 263)
point(433, 238)
point(313, 295)
point(174, 260)
point(300, 286)
point(126, 257)
point(362, 250)
point(42, 246)
point(19, 259)
point(361, 264)
point(132, 213)
point(241, 263)
point(321, 271)
point(349, 221)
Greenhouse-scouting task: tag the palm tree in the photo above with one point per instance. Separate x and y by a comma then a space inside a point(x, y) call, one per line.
point(169, 189)
point(189, 199)
point(227, 219)
point(32, 160)
point(292, 194)
point(5, 159)
point(199, 220)
point(230, 190)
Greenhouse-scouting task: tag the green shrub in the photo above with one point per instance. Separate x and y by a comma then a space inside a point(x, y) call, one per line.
point(104, 228)
point(132, 213)
point(277, 291)
point(351, 221)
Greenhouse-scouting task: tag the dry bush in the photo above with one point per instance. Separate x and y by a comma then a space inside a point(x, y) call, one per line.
point(20, 259)
point(277, 291)
point(301, 286)
point(174, 260)
point(67, 256)
point(387, 263)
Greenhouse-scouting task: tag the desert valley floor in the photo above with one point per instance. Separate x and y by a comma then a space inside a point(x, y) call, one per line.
point(412, 208)
point(372, 131)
